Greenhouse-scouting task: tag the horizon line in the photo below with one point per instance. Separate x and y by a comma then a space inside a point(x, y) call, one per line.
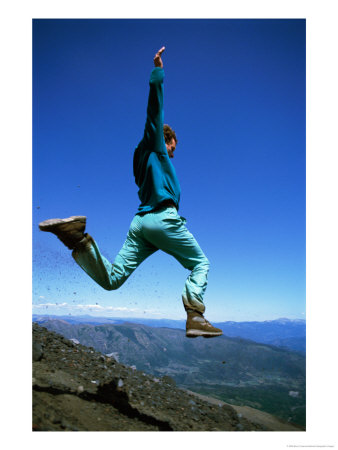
point(163, 318)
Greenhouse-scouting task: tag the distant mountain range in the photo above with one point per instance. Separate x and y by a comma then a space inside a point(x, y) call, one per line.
point(235, 370)
point(283, 333)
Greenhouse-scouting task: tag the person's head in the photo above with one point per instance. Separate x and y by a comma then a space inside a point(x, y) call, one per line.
point(170, 140)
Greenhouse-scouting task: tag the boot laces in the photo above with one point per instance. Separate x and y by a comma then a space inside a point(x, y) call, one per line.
point(207, 322)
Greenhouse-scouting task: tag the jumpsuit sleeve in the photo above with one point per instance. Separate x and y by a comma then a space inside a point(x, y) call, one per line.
point(153, 133)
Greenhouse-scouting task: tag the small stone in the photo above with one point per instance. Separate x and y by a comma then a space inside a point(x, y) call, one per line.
point(80, 389)
point(37, 351)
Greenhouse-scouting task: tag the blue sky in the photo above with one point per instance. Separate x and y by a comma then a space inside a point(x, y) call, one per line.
point(235, 94)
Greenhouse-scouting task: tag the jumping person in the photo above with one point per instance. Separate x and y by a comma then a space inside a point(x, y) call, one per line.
point(156, 225)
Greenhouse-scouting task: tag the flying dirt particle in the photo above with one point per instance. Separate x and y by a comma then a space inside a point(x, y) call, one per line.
point(223, 362)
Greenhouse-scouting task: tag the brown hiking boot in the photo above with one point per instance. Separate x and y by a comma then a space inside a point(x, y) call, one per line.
point(70, 231)
point(197, 325)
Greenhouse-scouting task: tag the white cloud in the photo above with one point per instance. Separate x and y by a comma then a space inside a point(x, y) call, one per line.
point(89, 307)
point(43, 305)
point(106, 308)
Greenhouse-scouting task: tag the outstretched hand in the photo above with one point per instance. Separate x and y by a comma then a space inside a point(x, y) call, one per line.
point(157, 59)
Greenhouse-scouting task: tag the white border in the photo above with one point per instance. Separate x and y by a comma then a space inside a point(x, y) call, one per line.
point(322, 227)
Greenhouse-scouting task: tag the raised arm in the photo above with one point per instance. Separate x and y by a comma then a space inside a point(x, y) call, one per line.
point(153, 132)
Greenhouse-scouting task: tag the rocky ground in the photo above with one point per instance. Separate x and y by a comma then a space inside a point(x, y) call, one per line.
point(76, 388)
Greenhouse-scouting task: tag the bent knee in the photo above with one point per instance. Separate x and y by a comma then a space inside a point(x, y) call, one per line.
point(200, 264)
point(204, 262)
point(110, 286)
point(113, 284)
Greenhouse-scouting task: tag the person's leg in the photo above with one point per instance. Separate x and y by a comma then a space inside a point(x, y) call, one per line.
point(88, 256)
point(111, 276)
point(166, 230)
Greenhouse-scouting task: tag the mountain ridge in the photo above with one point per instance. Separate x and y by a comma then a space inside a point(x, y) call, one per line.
point(106, 318)
point(284, 333)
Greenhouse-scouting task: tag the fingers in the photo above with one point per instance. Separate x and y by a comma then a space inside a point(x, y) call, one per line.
point(157, 58)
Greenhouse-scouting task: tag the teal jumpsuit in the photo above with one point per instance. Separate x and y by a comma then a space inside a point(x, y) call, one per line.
point(157, 224)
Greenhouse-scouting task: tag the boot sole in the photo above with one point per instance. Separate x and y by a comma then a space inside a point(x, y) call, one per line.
point(205, 334)
point(50, 224)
